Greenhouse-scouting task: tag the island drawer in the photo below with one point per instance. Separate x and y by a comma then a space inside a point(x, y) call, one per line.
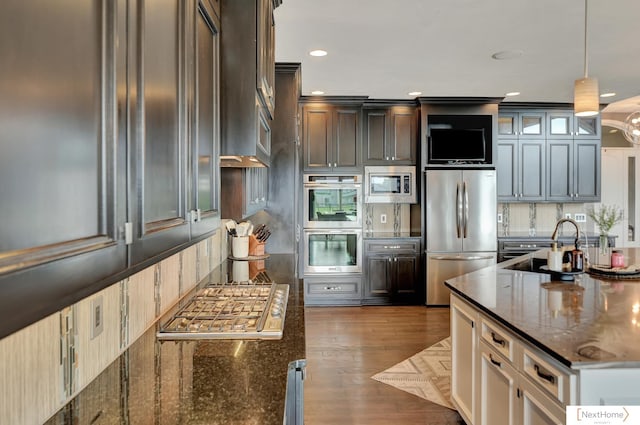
point(554, 379)
point(499, 339)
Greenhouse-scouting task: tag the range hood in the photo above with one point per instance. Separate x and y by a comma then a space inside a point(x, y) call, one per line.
point(240, 161)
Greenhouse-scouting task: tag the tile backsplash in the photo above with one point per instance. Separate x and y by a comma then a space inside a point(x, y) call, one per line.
point(536, 219)
point(392, 218)
point(32, 373)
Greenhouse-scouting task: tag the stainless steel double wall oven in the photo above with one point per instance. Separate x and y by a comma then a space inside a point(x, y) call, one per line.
point(332, 224)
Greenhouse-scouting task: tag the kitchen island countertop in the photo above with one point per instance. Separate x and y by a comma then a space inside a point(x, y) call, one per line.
point(592, 322)
point(199, 382)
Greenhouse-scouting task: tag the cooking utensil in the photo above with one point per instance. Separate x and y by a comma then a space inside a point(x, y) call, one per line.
point(231, 227)
point(243, 228)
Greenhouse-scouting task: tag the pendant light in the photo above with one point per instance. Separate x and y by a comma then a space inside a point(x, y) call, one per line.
point(586, 100)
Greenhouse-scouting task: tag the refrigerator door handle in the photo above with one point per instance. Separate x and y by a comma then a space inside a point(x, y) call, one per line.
point(458, 210)
point(466, 207)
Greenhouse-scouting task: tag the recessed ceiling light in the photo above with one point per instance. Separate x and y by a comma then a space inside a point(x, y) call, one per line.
point(318, 52)
point(317, 92)
point(610, 94)
point(414, 93)
point(507, 54)
point(512, 93)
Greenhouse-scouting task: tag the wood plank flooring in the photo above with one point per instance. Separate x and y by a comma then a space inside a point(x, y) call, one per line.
point(347, 345)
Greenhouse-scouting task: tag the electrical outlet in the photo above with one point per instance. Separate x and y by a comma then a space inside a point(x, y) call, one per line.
point(383, 218)
point(567, 215)
point(97, 317)
point(580, 217)
point(499, 217)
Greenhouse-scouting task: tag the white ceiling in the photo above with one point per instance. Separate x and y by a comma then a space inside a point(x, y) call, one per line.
point(386, 48)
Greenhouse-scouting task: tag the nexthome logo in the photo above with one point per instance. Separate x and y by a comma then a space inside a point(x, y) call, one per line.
point(602, 415)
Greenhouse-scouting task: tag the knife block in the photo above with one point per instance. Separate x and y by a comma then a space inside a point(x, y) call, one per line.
point(256, 248)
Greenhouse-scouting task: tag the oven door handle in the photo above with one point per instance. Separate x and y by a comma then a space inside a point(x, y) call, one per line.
point(462, 258)
point(333, 185)
point(334, 232)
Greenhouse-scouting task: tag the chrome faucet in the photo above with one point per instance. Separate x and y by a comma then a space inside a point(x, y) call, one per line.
point(554, 236)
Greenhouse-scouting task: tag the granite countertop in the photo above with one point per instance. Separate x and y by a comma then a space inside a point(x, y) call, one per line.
point(199, 382)
point(591, 322)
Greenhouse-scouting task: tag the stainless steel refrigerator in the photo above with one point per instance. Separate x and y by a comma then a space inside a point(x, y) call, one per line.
point(461, 226)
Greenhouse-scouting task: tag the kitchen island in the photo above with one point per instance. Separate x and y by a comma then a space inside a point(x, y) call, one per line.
point(536, 345)
point(199, 381)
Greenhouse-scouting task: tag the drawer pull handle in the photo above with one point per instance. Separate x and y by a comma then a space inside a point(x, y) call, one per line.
point(495, 362)
point(545, 376)
point(332, 288)
point(498, 340)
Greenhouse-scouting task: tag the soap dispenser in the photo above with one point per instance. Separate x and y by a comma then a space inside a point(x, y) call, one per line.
point(577, 258)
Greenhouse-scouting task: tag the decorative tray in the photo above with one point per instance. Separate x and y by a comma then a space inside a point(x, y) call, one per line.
point(559, 275)
point(249, 257)
point(631, 272)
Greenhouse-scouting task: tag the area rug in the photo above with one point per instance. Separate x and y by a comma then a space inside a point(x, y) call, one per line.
point(426, 374)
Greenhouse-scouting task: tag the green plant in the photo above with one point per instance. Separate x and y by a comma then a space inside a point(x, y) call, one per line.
point(605, 217)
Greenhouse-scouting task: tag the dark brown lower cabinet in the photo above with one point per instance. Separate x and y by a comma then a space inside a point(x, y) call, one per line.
point(392, 271)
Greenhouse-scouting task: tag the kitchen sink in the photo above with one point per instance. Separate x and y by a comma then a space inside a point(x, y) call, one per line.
point(531, 264)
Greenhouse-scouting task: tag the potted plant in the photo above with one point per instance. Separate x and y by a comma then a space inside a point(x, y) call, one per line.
point(605, 217)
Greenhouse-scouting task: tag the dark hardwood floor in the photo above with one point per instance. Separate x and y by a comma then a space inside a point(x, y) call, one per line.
point(348, 345)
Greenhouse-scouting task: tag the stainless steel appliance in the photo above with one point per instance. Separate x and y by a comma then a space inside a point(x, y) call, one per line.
point(333, 251)
point(332, 201)
point(231, 311)
point(390, 184)
point(461, 229)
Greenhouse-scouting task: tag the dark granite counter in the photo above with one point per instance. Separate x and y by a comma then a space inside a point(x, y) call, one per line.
point(199, 382)
point(592, 322)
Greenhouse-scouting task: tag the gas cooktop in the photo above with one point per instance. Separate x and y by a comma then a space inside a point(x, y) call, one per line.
point(244, 310)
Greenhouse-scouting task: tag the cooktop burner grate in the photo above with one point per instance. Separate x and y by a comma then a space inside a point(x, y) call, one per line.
point(231, 311)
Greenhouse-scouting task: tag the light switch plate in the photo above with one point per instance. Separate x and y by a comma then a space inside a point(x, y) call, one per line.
point(383, 218)
point(580, 217)
point(499, 217)
point(567, 215)
point(97, 316)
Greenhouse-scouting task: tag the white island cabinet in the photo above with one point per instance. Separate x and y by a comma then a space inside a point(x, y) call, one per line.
point(493, 362)
point(524, 348)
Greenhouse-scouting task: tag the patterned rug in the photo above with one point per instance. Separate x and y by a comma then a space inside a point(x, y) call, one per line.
point(426, 374)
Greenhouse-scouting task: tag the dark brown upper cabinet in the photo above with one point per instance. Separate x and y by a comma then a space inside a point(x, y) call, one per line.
point(61, 165)
point(204, 198)
point(248, 69)
point(159, 213)
point(331, 138)
point(390, 135)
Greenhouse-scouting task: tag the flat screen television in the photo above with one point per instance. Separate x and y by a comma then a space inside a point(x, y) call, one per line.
point(449, 145)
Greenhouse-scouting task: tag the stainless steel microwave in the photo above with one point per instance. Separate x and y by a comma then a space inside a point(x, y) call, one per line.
point(390, 184)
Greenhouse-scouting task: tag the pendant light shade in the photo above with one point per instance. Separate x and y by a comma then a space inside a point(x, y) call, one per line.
point(586, 99)
point(586, 95)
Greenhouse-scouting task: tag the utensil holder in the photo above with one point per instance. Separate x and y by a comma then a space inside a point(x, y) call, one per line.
point(240, 246)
